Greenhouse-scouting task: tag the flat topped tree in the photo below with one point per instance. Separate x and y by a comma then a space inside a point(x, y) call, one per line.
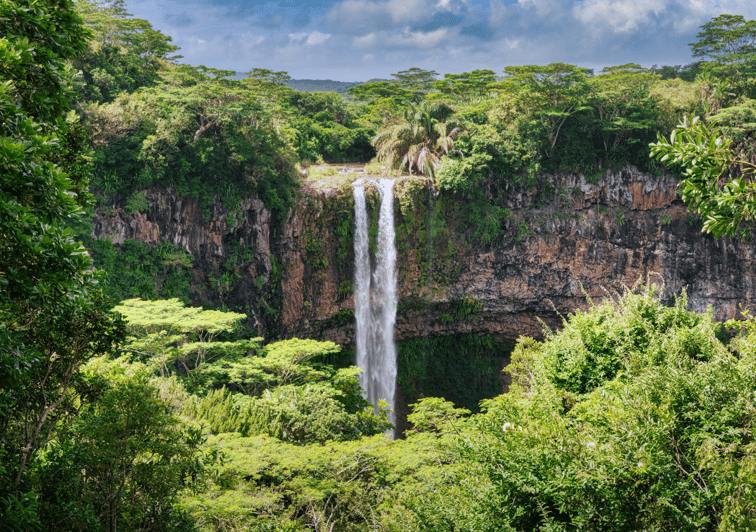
point(467, 85)
point(621, 96)
point(172, 331)
point(172, 315)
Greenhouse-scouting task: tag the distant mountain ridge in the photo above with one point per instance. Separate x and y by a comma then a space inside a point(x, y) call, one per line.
point(322, 85)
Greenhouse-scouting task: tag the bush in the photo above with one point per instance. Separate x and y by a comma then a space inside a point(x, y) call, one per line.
point(634, 417)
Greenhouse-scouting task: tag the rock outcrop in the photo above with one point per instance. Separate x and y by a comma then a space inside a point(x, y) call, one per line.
point(592, 240)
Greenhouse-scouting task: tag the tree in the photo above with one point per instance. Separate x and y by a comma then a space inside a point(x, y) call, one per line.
point(53, 316)
point(685, 72)
point(730, 41)
point(113, 26)
point(714, 91)
point(170, 332)
point(718, 184)
point(381, 102)
point(387, 99)
point(381, 90)
point(624, 105)
point(124, 54)
point(267, 83)
point(324, 128)
point(147, 139)
point(416, 81)
point(635, 416)
point(287, 391)
point(130, 456)
point(211, 96)
point(466, 86)
point(550, 93)
point(419, 141)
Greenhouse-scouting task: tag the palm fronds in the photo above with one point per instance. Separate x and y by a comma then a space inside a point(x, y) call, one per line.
point(420, 141)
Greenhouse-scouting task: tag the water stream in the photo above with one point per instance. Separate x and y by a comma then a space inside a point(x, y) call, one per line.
point(375, 296)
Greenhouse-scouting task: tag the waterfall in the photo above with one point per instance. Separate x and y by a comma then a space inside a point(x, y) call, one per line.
point(362, 283)
point(375, 297)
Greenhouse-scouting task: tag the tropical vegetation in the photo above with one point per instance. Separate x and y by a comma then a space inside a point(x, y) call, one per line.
point(637, 414)
point(420, 140)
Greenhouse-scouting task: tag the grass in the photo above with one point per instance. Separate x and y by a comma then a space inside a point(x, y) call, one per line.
point(326, 177)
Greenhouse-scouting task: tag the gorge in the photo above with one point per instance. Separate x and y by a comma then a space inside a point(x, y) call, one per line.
point(592, 239)
point(195, 261)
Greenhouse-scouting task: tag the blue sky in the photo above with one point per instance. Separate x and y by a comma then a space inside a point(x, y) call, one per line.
point(356, 40)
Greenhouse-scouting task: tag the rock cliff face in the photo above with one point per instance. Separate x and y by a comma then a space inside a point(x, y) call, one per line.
point(593, 239)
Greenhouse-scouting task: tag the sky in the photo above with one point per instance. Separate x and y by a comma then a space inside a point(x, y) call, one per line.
point(358, 40)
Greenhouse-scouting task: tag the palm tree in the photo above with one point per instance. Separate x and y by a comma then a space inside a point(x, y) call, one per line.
point(420, 140)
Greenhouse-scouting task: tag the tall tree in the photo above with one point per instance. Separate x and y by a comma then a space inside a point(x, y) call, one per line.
point(124, 54)
point(267, 83)
point(53, 316)
point(730, 40)
point(621, 98)
point(417, 81)
point(551, 94)
point(171, 332)
point(211, 96)
point(466, 86)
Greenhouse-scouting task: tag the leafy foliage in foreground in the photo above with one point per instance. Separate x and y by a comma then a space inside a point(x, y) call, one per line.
point(717, 181)
point(123, 461)
point(356, 485)
point(636, 417)
point(53, 316)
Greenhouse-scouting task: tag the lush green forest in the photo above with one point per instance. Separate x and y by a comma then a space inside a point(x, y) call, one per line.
point(122, 413)
point(209, 135)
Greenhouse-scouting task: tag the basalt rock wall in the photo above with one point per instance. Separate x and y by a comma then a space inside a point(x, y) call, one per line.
point(575, 239)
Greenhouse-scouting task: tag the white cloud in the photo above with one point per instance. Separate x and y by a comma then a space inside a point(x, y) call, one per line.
point(362, 39)
point(623, 16)
point(363, 16)
point(365, 41)
point(317, 37)
point(499, 12)
point(419, 39)
point(403, 11)
point(545, 10)
point(407, 40)
point(310, 39)
point(453, 6)
point(359, 16)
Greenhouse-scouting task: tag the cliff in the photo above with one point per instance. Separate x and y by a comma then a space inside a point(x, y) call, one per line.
point(585, 239)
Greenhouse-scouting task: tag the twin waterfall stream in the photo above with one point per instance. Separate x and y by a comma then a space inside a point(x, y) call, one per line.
point(375, 296)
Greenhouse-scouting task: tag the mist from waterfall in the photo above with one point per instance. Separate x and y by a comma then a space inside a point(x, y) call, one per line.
point(375, 296)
